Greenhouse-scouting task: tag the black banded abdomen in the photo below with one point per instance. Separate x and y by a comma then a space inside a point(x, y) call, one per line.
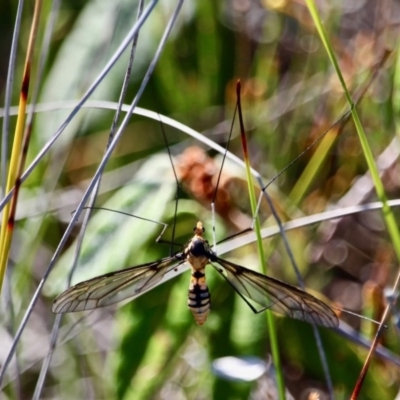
point(199, 297)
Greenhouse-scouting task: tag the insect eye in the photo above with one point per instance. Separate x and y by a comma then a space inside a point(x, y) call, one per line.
point(194, 229)
point(204, 229)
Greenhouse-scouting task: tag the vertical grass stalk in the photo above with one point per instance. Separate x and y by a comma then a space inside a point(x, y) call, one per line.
point(19, 151)
point(380, 191)
point(257, 229)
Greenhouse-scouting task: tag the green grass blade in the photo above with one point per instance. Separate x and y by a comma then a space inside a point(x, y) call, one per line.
point(379, 188)
point(257, 228)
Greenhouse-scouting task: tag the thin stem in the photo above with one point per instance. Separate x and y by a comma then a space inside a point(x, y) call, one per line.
point(257, 228)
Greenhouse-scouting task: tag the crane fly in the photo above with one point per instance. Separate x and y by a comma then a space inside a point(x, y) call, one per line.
point(268, 292)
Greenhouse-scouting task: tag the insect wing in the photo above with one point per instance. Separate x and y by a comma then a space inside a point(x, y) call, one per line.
point(113, 287)
point(276, 295)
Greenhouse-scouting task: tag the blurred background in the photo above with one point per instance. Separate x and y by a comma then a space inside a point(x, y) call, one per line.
point(295, 115)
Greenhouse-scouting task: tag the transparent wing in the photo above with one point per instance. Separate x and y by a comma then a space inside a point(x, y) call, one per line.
point(276, 295)
point(114, 287)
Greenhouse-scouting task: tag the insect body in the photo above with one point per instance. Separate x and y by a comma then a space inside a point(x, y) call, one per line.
point(252, 286)
point(198, 256)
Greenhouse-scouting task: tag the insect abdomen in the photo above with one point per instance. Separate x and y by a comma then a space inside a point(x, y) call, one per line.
point(199, 297)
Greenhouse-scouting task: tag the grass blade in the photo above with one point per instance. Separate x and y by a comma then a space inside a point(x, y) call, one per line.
point(257, 228)
point(379, 188)
point(19, 151)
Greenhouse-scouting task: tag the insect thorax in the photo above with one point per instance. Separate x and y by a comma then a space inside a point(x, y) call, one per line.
point(198, 253)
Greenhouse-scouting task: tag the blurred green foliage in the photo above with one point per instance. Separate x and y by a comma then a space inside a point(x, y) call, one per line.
point(151, 348)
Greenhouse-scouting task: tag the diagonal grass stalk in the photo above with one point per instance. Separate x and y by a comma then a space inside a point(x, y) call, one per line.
point(57, 322)
point(77, 106)
point(97, 174)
